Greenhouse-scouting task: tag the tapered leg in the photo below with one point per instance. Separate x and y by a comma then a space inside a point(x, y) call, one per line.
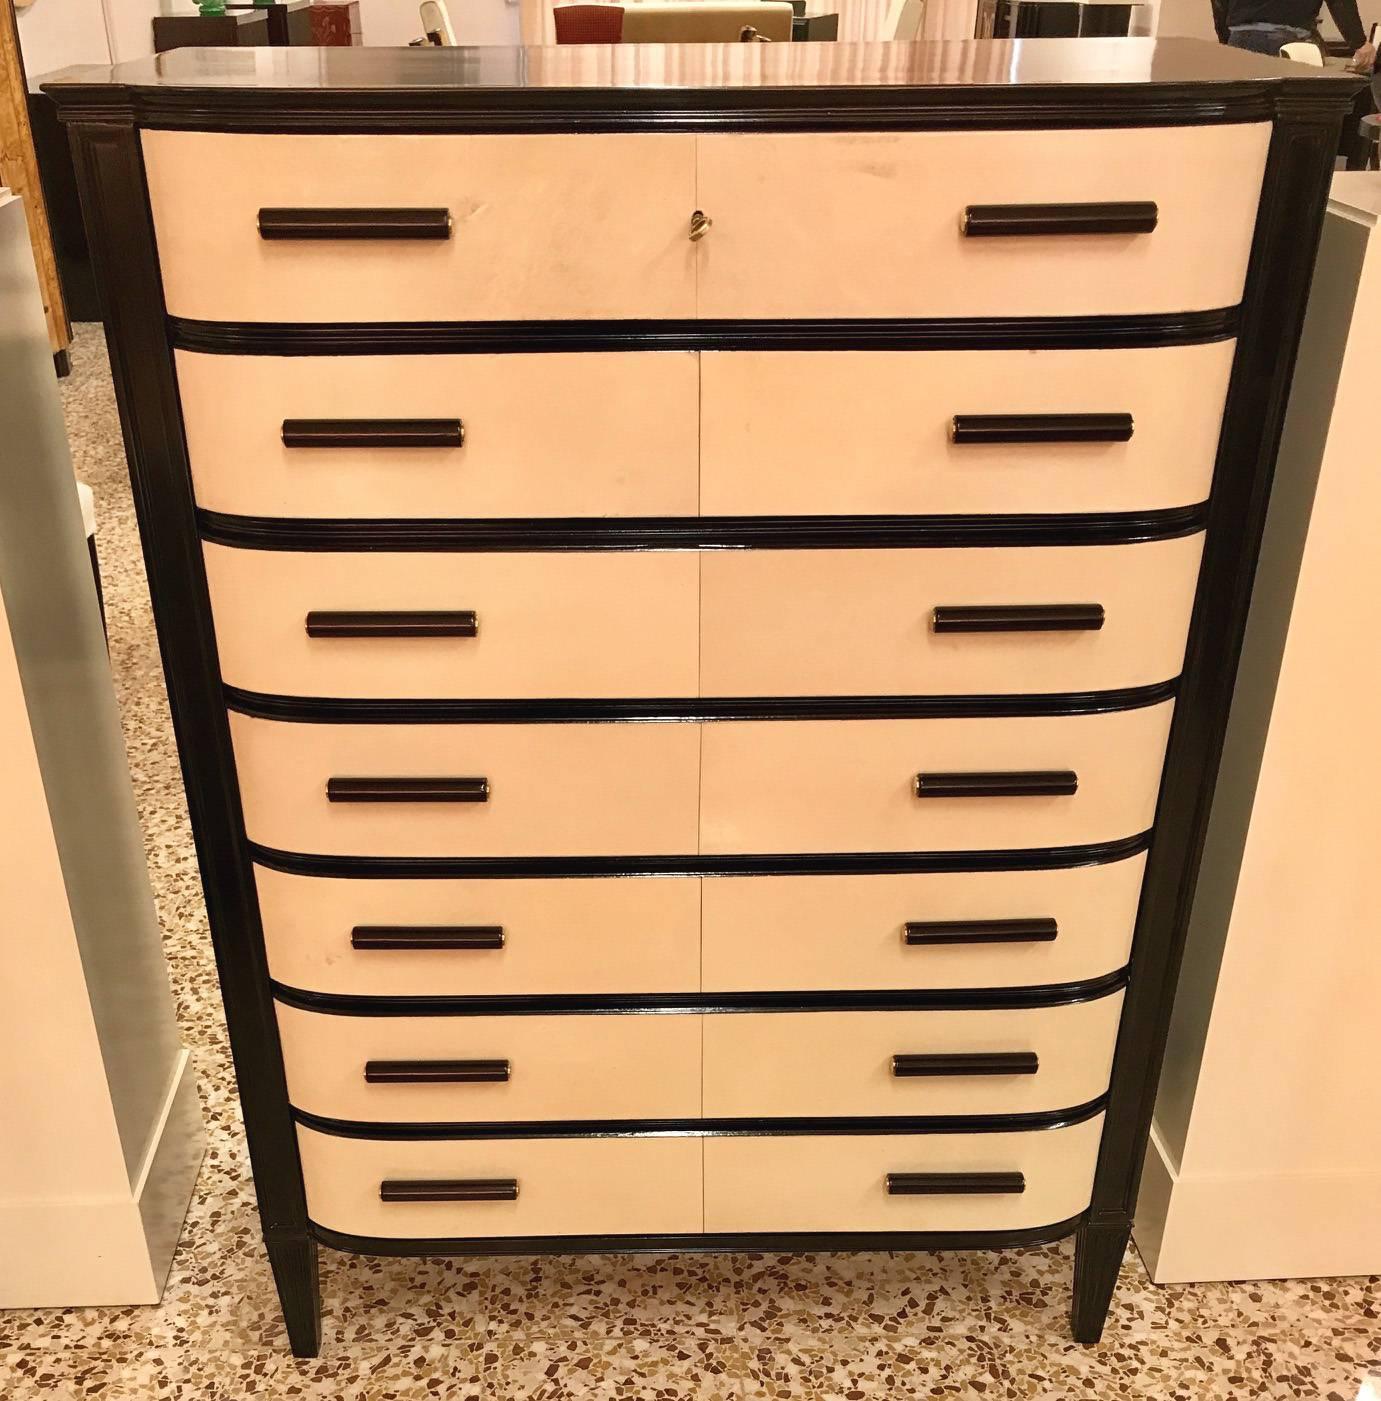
point(1098, 1252)
point(293, 1257)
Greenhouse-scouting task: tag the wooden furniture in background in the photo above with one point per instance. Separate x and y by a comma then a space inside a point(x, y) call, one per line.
point(19, 171)
point(335, 23)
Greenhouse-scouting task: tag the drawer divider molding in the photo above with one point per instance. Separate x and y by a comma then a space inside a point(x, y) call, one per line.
point(857, 863)
point(965, 1063)
point(1089, 332)
point(923, 933)
point(360, 710)
point(555, 1004)
point(306, 534)
point(871, 1125)
point(951, 1184)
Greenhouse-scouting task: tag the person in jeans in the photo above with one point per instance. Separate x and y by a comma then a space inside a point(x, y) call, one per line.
point(1264, 26)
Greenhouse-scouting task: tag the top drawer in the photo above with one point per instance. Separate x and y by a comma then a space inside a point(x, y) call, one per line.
point(539, 227)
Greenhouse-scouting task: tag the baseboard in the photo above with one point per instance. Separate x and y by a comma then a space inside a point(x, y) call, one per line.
point(94, 1253)
point(1192, 1227)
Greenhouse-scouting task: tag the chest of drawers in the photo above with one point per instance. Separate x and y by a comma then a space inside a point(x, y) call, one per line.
point(699, 603)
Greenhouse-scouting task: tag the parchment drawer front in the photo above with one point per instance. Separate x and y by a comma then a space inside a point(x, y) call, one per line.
point(840, 1182)
point(478, 1069)
point(872, 223)
point(789, 1064)
point(541, 435)
point(481, 938)
point(550, 790)
point(902, 622)
point(565, 623)
point(851, 785)
point(523, 227)
point(942, 930)
point(874, 433)
point(563, 1186)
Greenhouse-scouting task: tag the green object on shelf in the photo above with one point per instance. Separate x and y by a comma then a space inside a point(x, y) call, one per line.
point(211, 8)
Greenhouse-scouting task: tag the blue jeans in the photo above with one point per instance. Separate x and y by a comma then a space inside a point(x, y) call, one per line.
point(1266, 38)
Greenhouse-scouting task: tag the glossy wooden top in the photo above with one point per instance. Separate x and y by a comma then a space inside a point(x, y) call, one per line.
point(995, 62)
point(1100, 82)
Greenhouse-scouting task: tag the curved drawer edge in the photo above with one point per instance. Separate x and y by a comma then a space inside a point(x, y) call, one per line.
point(705, 1003)
point(816, 1242)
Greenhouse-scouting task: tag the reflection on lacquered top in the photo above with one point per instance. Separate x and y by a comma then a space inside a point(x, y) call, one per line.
point(975, 62)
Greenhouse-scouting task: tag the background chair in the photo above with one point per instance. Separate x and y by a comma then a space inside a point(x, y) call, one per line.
point(588, 24)
point(705, 21)
point(436, 23)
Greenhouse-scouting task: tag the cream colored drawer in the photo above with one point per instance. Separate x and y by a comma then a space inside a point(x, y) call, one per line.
point(840, 1182)
point(571, 1066)
point(864, 622)
point(869, 223)
point(967, 929)
point(850, 785)
point(869, 433)
point(565, 623)
point(565, 1186)
point(608, 434)
point(542, 227)
point(789, 1064)
point(626, 935)
point(553, 790)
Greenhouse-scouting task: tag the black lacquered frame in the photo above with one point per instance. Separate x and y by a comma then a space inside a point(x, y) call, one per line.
point(105, 120)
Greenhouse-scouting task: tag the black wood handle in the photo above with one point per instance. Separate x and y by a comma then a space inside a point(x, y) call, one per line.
point(1035, 784)
point(978, 931)
point(1026, 220)
point(1041, 428)
point(1018, 617)
point(373, 433)
point(470, 1189)
point(355, 223)
point(436, 1072)
point(965, 1063)
point(462, 623)
point(427, 936)
point(953, 1184)
point(407, 790)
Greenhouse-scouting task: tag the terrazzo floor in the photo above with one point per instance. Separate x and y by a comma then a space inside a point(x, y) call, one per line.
point(901, 1325)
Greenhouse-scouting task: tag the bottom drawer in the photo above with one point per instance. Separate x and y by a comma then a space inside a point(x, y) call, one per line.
point(564, 1186)
point(840, 1182)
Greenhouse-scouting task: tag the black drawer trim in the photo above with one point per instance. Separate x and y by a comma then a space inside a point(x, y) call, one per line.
point(407, 790)
point(934, 932)
point(819, 1242)
point(1017, 617)
point(964, 1063)
point(304, 535)
point(836, 333)
point(860, 1126)
point(860, 863)
point(471, 1189)
point(437, 1072)
point(697, 1003)
point(362, 711)
point(1042, 783)
point(426, 937)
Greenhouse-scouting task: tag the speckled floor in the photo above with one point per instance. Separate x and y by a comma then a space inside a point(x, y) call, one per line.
point(988, 1326)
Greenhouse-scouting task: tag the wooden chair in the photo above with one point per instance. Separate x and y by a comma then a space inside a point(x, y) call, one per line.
point(588, 24)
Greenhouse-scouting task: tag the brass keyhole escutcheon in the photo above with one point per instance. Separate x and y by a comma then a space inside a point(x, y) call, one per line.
point(699, 225)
